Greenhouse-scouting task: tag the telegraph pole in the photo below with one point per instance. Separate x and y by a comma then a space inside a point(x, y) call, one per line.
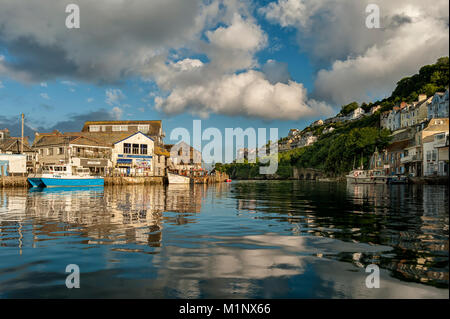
point(21, 148)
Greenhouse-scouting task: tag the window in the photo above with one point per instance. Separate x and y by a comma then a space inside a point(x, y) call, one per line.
point(50, 151)
point(60, 150)
point(127, 148)
point(428, 155)
point(143, 128)
point(433, 155)
point(94, 128)
point(135, 148)
point(115, 128)
point(144, 149)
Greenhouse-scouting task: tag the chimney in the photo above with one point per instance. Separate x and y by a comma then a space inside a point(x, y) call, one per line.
point(422, 97)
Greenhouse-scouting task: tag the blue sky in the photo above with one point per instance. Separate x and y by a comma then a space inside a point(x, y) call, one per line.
point(281, 63)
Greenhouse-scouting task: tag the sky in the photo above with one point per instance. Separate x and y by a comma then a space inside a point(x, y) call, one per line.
point(283, 63)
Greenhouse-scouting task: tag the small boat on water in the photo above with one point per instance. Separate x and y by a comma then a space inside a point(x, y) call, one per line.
point(361, 176)
point(64, 176)
point(398, 179)
point(178, 179)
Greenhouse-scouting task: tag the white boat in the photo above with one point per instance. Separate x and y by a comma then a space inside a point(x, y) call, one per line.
point(63, 175)
point(361, 176)
point(178, 179)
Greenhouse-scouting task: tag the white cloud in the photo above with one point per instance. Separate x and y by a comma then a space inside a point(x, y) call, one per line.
point(116, 112)
point(360, 63)
point(45, 96)
point(248, 94)
point(43, 84)
point(114, 96)
point(1, 85)
point(375, 73)
point(89, 99)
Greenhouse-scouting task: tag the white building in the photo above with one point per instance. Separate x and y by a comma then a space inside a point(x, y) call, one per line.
point(356, 114)
point(133, 155)
point(13, 164)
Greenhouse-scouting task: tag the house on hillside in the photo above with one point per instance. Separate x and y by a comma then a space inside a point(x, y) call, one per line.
point(438, 108)
point(356, 114)
point(375, 108)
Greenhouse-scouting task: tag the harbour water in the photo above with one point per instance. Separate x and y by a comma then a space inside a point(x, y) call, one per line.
point(249, 239)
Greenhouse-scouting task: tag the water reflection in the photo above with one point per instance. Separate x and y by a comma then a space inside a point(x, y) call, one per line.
point(248, 239)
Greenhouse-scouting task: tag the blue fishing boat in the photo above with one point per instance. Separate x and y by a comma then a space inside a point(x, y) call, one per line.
point(65, 176)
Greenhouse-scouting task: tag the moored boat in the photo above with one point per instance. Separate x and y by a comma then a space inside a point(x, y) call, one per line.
point(361, 176)
point(63, 176)
point(178, 179)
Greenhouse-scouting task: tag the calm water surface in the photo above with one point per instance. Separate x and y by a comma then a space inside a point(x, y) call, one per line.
point(284, 239)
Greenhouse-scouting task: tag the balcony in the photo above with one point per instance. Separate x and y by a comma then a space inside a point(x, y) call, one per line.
point(410, 158)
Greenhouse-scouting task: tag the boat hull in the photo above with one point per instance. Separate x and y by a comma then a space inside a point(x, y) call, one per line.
point(72, 182)
point(35, 182)
point(178, 179)
point(366, 180)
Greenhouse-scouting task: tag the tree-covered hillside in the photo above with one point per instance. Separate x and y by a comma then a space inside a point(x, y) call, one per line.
point(336, 152)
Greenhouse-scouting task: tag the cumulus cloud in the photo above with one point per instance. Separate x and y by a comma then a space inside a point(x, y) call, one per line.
point(248, 93)
point(114, 96)
point(44, 96)
point(117, 113)
point(357, 63)
point(147, 29)
point(276, 71)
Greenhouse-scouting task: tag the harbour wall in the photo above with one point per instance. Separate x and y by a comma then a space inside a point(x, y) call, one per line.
point(21, 181)
point(13, 181)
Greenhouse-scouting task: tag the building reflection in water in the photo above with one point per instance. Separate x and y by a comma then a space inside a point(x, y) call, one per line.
point(414, 222)
point(110, 215)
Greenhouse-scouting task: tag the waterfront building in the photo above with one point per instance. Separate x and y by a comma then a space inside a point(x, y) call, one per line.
point(395, 152)
point(184, 158)
point(435, 154)
point(153, 129)
point(13, 165)
point(13, 145)
point(412, 155)
point(133, 155)
point(438, 108)
point(72, 148)
point(161, 161)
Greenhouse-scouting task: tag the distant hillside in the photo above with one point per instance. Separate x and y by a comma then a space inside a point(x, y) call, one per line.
point(336, 152)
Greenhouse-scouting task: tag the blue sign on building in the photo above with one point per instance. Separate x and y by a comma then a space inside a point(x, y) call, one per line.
point(4, 168)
